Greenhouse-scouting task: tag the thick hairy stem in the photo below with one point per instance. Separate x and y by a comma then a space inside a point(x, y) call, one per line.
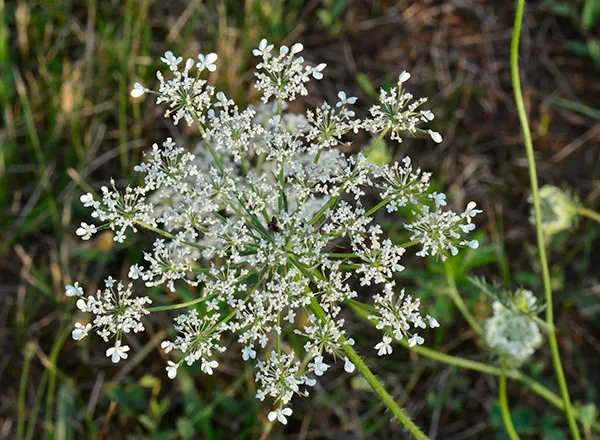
point(514, 69)
point(361, 366)
point(372, 381)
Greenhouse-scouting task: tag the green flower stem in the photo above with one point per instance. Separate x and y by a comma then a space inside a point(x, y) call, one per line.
point(376, 141)
point(209, 145)
point(341, 255)
point(179, 305)
point(332, 201)
point(347, 255)
point(377, 207)
point(514, 69)
point(408, 243)
point(219, 163)
point(372, 380)
point(363, 311)
point(510, 428)
point(361, 366)
point(532, 384)
point(167, 234)
point(204, 298)
point(458, 301)
point(589, 214)
point(244, 164)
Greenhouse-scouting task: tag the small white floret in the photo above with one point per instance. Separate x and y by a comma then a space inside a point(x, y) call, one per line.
point(437, 138)
point(117, 352)
point(137, 91)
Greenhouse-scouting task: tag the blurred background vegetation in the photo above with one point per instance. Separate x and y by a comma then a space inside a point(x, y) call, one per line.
point(68, 124)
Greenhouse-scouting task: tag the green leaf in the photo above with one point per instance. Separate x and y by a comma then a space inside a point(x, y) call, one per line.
point(147, 422)
point(381, 154)
point(578, 47)
point(365, 83)
point(66, 401)
point(495, 416)
point(359, 383)
point(149, 381)
point(593, 45)
point(590, 14)
point(325, 17)
point(185, 428)
point(523, 420)
point(562, 10)
point(588, 415)
point(553, 433)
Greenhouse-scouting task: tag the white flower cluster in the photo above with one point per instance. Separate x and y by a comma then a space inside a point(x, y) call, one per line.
point(442, 232)
point(267, 221)
point(510, 332)
point(280, 376)
point(197, 339)
point(283, 76)
point(116, 312)
point(396, 315)
point(397, 114)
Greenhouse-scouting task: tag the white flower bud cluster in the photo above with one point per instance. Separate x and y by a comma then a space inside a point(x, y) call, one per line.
point(266, 221)
point(280, 376)
point(511, 332)
point(197, 338)
point(188, 97)
point(558, 209)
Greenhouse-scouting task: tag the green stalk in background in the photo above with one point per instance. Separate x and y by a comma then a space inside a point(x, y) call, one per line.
point(510, 428)
point(589, 214)
point(514, 69)
point(458, 301)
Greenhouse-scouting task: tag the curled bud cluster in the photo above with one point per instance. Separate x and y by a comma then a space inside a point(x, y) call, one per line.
point(511, 332)
point(558, 209)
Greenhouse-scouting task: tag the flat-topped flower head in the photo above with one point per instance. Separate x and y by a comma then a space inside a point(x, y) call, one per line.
point(440, 232)
point(271, 224)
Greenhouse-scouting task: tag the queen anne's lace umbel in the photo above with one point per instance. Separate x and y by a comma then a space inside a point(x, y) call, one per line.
point(268, 222)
